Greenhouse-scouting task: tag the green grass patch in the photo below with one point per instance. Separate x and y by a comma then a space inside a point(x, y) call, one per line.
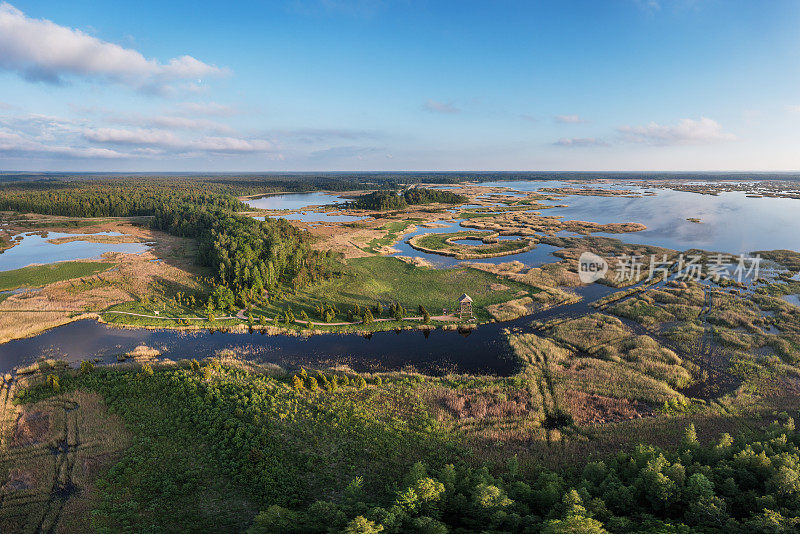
point(165, 308)
point(384, 279)
point(40, 275)
point(393, 230)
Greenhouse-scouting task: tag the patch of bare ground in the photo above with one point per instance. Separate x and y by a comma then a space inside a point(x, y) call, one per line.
point(48, 467)
point(32, 427)
point(592, 409)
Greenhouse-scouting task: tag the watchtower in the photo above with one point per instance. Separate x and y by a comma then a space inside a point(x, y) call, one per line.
point(465, 303)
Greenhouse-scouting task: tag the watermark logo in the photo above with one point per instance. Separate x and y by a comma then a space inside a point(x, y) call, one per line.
point(634, 268)
point(591, 267)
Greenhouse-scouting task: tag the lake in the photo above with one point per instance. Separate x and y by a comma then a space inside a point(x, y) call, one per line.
point(294, 201)
point(37, 249)
point(730, 222)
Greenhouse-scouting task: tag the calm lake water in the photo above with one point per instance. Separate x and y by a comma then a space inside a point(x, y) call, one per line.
point(730, 222)
point(294, 201)
point(298, 201)
point(36, 249)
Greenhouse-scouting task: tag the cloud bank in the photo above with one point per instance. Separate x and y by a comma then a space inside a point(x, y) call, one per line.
point(40, 50)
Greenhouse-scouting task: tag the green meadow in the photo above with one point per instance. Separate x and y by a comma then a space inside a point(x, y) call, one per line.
point(40, 275)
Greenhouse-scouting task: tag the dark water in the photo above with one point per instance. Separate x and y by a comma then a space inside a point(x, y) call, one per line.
point(481, 351)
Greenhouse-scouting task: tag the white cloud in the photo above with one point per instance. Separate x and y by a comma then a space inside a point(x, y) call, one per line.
point(138, 136)
point(580, 142)
point(569, 119)
point(168, 141)
point(14, 144)
point(440, 107)
point(41, 50)
point(231, 144)
point(687, 132)
point(793, 108)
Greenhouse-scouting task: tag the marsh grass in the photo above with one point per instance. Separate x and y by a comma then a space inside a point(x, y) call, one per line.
point(394, 230)
point(40, 275)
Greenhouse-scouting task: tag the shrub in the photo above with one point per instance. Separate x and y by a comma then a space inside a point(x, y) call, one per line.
point(52, 383)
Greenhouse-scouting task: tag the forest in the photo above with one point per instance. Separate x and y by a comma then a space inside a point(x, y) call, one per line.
point(390, 199)
point(249, 257)
point(335, 452)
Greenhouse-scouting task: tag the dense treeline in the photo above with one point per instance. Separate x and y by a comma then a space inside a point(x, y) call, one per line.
point(250, 258)
point(332, 453)
point(384, 200)
point(106, 200)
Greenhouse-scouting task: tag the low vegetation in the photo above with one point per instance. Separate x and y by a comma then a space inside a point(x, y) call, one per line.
point(39, 275)
point(210, 447)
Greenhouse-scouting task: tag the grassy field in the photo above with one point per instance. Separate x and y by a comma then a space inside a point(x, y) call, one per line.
point(165, 309)
point(40, 275)
point(368, 280)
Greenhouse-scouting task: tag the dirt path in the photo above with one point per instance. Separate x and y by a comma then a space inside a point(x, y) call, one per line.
point(175, 318)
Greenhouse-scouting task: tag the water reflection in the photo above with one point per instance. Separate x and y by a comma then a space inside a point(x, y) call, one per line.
point(730, 222)
point(37, 249)
point(294, 201)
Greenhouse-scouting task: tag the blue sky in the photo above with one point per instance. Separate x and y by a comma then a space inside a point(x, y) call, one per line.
point(407, 85)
